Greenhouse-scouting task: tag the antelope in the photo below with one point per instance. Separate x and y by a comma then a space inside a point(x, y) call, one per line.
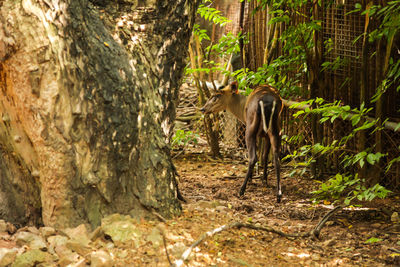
point(260, 112)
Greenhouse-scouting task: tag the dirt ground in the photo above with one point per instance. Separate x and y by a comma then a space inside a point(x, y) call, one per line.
point(211, 188)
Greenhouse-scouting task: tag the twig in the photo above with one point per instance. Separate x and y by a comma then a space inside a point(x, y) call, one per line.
point(313, 214)
point(158, 215)
point(213, 160)
point(313, 233)
point(178, 192)
point(187, 252)
point(179, 153)
point(317, 229)
point(165, 245)
point(394, 250)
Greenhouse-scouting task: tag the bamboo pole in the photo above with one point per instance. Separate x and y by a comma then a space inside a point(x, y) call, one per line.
point(362, 135)
point(212, 135)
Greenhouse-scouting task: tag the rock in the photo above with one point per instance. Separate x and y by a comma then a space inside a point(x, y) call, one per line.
point(98, 232)
point(121, 254)
point(79, 233)
point(33, 257)
point(33, 230)
point(56, 241)
point(177, 249)
point(109, 245)
point(155, 237)
point(7, 256)
point(63, 251)
point(100, 258)
point(80, 263)
point(3, 226)
point(68, 258)
point(79, 239)
point(47, 231)
point(32, 240)
point(121, 229)
point(82, 248)
point(4, 236)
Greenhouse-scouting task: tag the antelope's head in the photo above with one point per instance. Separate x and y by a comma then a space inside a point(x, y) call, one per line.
point(221, 99)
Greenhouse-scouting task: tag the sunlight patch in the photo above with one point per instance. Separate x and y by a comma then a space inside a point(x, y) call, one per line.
point(300, 255)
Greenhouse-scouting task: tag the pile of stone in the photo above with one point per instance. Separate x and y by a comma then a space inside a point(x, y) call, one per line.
point(113, 241)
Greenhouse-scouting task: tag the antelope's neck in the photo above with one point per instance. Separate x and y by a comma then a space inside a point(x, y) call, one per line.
point(237, 107)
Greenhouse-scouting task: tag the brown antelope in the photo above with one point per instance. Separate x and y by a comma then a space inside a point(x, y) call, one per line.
point(260, 112)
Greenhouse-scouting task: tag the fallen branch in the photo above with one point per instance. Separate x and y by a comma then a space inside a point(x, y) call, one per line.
point(314, 233)
point(186, 118)
point(179, 153)
point(165, 245)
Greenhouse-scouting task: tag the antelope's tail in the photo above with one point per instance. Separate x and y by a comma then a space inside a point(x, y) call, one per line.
point(261, 103)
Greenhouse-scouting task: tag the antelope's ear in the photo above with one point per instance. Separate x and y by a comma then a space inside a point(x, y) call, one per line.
point(234, 87)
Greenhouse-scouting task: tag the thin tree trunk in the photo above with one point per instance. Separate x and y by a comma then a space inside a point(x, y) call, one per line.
point(88, 93)
point(314, 63)
point(362, 135)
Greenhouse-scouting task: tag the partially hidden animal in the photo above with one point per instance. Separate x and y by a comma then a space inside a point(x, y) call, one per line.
point(260, 112)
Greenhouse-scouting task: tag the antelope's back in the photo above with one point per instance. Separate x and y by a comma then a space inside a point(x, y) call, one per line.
point(263, 92)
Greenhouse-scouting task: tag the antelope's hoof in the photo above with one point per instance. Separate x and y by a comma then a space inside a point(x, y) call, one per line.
point(278, 198)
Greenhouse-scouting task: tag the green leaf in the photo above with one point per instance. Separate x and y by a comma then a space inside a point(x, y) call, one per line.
point(397, 127)
point(373, 240)
point(371, 159)
point(362, 162)
point(365, 126)
point(355, 120)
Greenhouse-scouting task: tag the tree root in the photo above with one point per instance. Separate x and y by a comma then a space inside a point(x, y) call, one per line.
point(314, 233)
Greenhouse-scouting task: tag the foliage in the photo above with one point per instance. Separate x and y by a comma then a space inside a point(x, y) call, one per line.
point(347, 183)
point(226, 45)
point(201, 33)
point(212, 14)
point(183, 138)
point(298, 45)
point(373, 240)
point(388, 29)
point(350, 187)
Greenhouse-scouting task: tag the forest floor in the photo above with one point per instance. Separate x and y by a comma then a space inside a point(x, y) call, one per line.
point(211, 189)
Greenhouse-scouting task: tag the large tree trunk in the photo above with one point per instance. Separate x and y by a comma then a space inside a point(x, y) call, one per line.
point(87, 101)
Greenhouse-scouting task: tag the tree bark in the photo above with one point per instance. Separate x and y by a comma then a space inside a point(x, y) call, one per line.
point(87, 102)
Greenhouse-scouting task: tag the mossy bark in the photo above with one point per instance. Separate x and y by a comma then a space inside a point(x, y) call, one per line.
point(88, 91)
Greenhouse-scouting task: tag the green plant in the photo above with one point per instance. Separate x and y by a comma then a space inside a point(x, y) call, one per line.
point(299, 63)
point(183, 138)
point(212, 14)
point(348, 187)
point(373, 240)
